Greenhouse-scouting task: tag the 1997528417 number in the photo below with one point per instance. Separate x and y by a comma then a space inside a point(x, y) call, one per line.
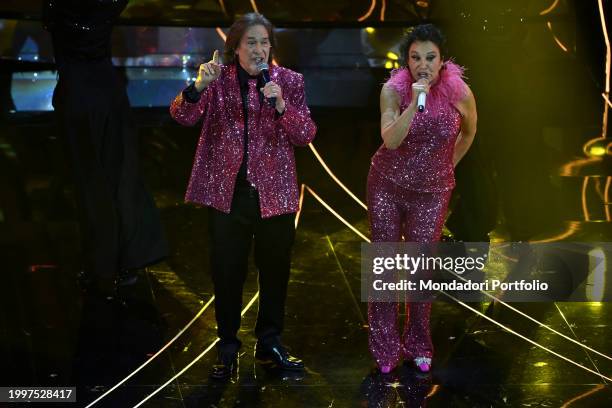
point(37, 394)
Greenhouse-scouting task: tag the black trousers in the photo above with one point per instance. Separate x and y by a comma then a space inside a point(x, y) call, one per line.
point(232, 236)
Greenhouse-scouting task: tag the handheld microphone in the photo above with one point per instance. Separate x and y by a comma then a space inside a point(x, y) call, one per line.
point(422, 98)
point(265, 74)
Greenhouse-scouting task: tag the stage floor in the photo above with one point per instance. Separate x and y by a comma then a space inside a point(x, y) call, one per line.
point(51, 336)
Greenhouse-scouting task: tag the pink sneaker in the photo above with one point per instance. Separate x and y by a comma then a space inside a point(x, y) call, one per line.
point(423, 364)
point(385, 369)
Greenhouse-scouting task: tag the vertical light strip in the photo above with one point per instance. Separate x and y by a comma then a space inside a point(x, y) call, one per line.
point(382, 10)
point(585, 209)
point(596, 279)
point(254, 5)
point(604, 28)
point(299, 212)
point(606, 198)
point(369, 12)
point(222, 4)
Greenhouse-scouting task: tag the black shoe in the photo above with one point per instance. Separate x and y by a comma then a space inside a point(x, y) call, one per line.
point(276, 355)
point(226, 365)
point(128, 277)
point(97, 286)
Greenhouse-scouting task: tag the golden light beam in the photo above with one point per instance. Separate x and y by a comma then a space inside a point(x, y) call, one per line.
point(606, 93)
point(560, 44)
point(333, 176)
point(199, 357)
point(573, 227)
point(604, 28)
point(585, 209)
point(299, 211)
point(221, 33)
point(599, 387)
point(382, 10)
point(369, 12)
point(568, 169)
point(606, 99)
point(557, 40)
point(549, 9)
point(574, 334)
point(607, 198)
point(434, 389)
point(364, 321)
point(509, 330)
point(195, 360)
point(545, 326)
point(153, 357)
point(222, 4)
point(493, 297)
point(331, 210)
point(356, 231)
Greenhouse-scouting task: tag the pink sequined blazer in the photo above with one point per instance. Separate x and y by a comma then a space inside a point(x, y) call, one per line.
point(271, 162)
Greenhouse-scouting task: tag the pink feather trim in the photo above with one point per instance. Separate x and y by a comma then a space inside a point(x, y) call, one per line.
point(450, 85)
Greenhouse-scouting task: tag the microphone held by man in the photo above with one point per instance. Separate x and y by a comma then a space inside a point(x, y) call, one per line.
point(265, 74)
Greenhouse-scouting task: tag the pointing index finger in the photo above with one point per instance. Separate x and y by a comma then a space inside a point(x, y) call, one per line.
point(215, 57)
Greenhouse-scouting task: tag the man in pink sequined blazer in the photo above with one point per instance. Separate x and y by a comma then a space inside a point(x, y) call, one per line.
point(244, 171)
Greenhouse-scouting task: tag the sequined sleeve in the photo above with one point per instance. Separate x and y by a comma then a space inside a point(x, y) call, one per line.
point(296, 122)
point(187, 113)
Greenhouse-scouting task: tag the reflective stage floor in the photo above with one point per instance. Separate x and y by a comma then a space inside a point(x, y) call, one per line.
point(50, 335)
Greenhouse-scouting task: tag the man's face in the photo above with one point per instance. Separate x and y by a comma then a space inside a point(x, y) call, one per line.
point(253, 49)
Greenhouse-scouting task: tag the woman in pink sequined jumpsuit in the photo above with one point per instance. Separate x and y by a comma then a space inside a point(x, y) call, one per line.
point(412, 176)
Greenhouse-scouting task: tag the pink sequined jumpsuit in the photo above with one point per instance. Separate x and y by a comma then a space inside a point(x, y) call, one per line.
point(408, 193)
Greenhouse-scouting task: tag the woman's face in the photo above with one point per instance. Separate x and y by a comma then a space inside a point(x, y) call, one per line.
point(424, 60)
point(254, 48)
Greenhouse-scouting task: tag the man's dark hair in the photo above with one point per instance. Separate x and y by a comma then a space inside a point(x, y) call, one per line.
point(238, 29)
point(422, 33)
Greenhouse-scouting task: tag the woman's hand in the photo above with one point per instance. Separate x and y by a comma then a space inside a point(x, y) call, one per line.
point(393, 125)
point(422, 85)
